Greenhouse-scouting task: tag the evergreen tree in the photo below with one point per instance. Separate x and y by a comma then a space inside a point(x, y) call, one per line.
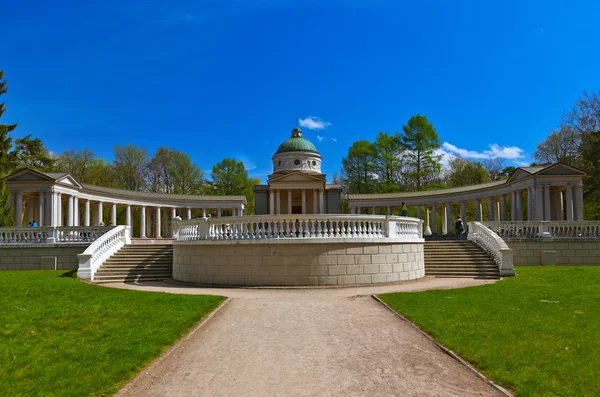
point(359, 171)
point(6, 212)
point(6, 157)
point(420, 141)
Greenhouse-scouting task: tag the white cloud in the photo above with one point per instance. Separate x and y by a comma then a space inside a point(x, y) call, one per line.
point(320, 138)
point(522, 163)
point(248, 164)
point(496, 151)
point(446, 157)
point(333, 140)
point(314, 123)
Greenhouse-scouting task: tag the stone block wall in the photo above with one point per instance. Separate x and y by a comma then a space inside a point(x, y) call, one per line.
point(41, 257)
point(297, 264)
point(555, 252)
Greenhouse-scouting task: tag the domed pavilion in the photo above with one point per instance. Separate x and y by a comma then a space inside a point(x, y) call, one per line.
point(297, 185)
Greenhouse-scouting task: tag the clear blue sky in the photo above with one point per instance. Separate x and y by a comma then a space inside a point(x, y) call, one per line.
point(226, 78)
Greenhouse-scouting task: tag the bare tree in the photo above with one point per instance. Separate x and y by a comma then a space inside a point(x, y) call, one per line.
point(493, 166)
point(562, 146)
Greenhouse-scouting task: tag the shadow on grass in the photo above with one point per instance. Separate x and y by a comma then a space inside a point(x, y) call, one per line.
point(69, 274)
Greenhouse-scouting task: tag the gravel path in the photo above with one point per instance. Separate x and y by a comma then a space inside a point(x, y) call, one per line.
point(307, 342)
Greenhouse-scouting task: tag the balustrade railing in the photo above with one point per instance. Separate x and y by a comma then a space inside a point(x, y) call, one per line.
point(545, 229)
point(297, 226)
point(101, 249)
point(494, 245)
point(62, 234)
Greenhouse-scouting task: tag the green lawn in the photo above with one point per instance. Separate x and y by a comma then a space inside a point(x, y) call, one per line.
point(62, 337)
point(537, 334)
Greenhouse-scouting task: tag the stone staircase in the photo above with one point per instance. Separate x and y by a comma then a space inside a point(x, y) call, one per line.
point(458, 259)
point(137, 262)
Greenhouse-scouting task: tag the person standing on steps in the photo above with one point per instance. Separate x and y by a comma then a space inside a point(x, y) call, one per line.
point(404, 210)
point(459, 227)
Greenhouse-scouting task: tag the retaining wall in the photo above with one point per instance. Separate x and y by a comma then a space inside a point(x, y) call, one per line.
point(256, 263)
point(41, 256)
point(576, 251)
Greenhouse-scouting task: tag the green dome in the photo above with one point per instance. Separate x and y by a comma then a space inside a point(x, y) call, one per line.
point(297, 143)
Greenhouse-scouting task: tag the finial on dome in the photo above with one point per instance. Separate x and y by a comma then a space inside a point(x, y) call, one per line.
point(296, 133)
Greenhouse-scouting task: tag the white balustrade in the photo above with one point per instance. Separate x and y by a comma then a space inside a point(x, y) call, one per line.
point(297, 226)
point(101, 249)
point(546, 229)
point(494, 245)
point(38, 235)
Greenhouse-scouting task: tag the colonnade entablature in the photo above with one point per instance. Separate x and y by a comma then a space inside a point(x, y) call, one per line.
point(57, 199)
point(539, 193)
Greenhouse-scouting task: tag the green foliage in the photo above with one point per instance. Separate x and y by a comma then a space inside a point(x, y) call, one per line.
point(388, 161)
point(543, 341)
point(131, 167)
point(54, 325)
point(229, 177)
point(6, 159)
point(507, 171)
point(172, 171)
point(31, 152)
point(6, 211)
point(466, 172)
point(420, 141)
point(359, 168)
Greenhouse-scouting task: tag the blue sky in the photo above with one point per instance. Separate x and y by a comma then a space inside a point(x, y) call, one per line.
point(226, 78)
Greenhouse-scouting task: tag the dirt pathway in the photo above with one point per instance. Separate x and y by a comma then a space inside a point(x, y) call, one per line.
point(307, 342)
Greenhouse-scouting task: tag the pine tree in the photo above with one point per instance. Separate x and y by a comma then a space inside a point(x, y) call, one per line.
point(6, 211)
point(6, 158)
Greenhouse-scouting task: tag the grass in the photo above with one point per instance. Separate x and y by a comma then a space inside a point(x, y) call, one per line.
point(537, 334)
point(62, 337)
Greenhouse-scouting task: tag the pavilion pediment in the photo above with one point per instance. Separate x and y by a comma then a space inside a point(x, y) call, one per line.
point(561, 169)
point(520, 174)
point(297, 177)
point(28, 175)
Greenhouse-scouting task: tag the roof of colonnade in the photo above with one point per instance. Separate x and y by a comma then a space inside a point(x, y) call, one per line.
point(27, 178)
point(558, 174)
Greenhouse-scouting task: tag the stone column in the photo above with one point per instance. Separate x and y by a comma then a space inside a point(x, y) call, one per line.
point(579, 202)
point(69, 210)
point(445, 220)
point(547, 213)
point(51, 209)
point(322, 200)
point(490, 203)
point(30, 208)
point(173, 212)
point(158, 225)
point(513, 207)
point(271, 202)
point(289, 204)
point(304, 201)
point(315, 206)
point(373, 210)
point(519, 206)
point(41, 209)
point(449, 218)
point(76, 211)
point(389, 210)
point(503, 215)
point(143, 222)
point(59, 213)
point(427, 231)
point(203, 212)
point(539, 203)
point(128, 215)
point(86, 213)
point(556, 208)
point(165, 226)
point(569, 204)
point(434, 218)
point(219, 212)
point(100, 216)
point(419, 211)
point(189, 213)
point(278, 201)
point(113, 214)
point(530, 204)
point(463, 212)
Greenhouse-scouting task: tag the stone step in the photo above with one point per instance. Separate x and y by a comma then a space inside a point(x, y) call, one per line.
point(133, 262)
point(454, 275)
point(141, 257)
point(126, 273)
point(121, 279)
point(117, 266)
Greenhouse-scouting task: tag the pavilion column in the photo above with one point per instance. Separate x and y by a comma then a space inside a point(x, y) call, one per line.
point(478, 210)
point(427, 231)
point(158, 225)
point(389, 210)
point(358, 210)
point(100, 216)
point(449, 218)
point(373, 210)
point(30, 207)
point(530, 204)
point(579, 202)
point(513, 207)
point(113, 214)
point(539, 203)
point(143, 222)
point(547, 212)
point(497, 211)
point(304, 202)
point(445, 220)
point(322, 201)
point(419, 211)
point(271, 201)
point(519, 206)
point(128, 215)
point(41, 209)
point(315, 210)
point(59, 213)
point(70, 211)
point(434, 218)
point(165, 226)
point(278, 199)
point(289, 200)
point(76, 214)
point(463, 211)
point(173, 213)
point(51, 209)
point(490, 202)
point(86, 213)
point(189, 213)
point(556, 205)
point(569, 204)
point(503, 215)
point(218, 212)
point(203, 212)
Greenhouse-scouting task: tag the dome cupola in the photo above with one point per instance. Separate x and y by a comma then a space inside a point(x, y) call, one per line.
point(297, 154)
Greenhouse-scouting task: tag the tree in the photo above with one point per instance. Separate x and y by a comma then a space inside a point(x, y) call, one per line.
point(507, 171)
point(388, 161)
point(358, 172)
point(561, 146)
point(229, 177)
point(6, 211)
point(6, 158)
point(76, 163)
point(186, 177)
point(493, 166)
point(420, 140)
point(131, 167)
point(31, 152)
point(466, 172)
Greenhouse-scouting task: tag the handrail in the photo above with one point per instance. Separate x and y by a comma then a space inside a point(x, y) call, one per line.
point(52, 234)
point(101, 249)
point(494, 245)
point(257, 227)
point(545, 229)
